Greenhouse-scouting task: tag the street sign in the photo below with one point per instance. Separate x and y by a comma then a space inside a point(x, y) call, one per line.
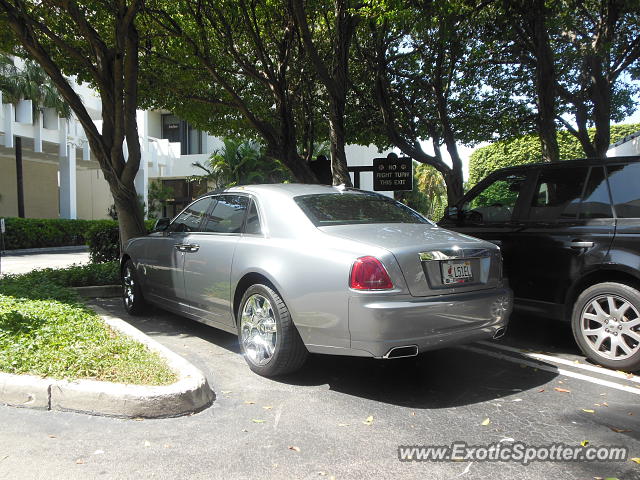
point(392, 173)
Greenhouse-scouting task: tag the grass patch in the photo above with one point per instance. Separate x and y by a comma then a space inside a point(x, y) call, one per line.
point(46, 331)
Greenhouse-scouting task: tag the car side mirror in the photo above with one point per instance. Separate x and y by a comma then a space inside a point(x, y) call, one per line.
point(161, 224)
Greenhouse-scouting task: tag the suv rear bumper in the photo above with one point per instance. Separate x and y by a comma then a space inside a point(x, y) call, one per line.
point(378, 323)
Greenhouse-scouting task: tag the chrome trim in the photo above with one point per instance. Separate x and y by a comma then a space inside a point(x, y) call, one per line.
point(453, 253)
point(389, 355)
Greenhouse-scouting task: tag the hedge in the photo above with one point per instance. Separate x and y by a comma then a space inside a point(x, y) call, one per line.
point(104, 240)
point(526, 149)
point(40, 232)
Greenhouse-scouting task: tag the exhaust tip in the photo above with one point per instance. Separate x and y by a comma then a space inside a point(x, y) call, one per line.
point(499, 333)
point(402, 352)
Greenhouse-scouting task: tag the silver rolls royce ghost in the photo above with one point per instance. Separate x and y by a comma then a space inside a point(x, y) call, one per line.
point(293, 269)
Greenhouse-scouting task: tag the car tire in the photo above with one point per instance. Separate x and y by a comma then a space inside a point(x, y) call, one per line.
point(132, 298)
point(268, 338)
point(606, 325)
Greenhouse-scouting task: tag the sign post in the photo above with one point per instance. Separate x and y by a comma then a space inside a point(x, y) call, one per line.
point(392, 173)
point(2, 230)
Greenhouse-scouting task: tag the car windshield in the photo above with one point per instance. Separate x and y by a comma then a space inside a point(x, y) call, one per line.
point(355, 208)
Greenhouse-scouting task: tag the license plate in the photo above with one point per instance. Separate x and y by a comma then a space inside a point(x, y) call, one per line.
point(456, 272)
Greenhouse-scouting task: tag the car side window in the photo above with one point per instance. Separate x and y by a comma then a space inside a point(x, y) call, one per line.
point(252, 226)
point(227, 216)
point(558, 194)
point(595, 199)
point(496, 202)
point(624, 181)
point(189, 219)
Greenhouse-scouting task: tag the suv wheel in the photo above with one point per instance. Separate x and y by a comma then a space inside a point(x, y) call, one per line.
point(606, 325)
point(268, 338)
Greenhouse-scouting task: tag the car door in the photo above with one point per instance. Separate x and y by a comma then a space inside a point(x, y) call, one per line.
point(624, 180)
point(165, 253)
point(207, 265)
point(491, 211)
point(566, 229)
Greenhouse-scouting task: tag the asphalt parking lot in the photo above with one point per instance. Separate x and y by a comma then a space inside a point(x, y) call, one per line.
point(345, 417)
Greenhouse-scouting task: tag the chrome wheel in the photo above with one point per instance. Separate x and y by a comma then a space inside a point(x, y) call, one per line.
point(610, 325)
point(128, 284)
point(258, 329)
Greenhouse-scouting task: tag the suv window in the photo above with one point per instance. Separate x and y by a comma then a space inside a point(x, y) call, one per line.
point(558, 194)
point(595, 199)
point(496, 202)
point(624, 181)
point(189, 219)
point(227, 215)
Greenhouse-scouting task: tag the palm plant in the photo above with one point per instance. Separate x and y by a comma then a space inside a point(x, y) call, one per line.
point(240, 162)
point(30, 82)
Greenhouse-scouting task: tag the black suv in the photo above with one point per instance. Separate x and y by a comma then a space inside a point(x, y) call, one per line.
point(570, 238)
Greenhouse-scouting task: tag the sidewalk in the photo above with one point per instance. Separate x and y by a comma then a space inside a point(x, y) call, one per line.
point(23, 261)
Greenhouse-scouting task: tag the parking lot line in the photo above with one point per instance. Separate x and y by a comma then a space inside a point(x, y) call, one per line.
point(551, 368)
point(564, 361)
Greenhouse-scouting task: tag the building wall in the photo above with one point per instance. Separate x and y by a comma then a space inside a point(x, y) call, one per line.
point(40, 189)
point(626, 149)
point(92, 195)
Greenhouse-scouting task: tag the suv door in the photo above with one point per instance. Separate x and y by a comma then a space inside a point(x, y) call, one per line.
point(207, 267)
point(566, 229)
point(490, 211)
point(624, 180)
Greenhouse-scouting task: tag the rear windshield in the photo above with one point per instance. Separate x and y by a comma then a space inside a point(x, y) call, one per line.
point(351, 208)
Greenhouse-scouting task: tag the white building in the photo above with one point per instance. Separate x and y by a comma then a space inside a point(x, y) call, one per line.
point(625, 147)
point(62, 178)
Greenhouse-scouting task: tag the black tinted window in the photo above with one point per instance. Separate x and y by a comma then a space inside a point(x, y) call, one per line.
point(595, 200)
point(253, 220)
point(227, 214)
point(346, 208)
point(496, 202)
point(624, 181)
point(558, 194)
point(189, 219)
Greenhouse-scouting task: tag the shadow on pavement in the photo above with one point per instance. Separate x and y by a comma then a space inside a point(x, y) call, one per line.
point(437, 379)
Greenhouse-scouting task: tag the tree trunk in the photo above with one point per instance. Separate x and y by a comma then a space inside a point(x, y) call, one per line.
point(130, 213)
point(545, 81)
point(339, 168)
point(19, 177)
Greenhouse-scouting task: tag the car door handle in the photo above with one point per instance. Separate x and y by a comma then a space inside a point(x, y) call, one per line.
point(579, 244)
point(192, 247)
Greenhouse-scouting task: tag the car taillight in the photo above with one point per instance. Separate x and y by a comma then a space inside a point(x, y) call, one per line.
point(368, 273)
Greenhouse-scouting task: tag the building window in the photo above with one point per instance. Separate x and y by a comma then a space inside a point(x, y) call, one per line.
point(176, 130)
point(184, 193)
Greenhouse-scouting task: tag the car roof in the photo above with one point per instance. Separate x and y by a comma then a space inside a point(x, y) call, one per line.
point(290, 189)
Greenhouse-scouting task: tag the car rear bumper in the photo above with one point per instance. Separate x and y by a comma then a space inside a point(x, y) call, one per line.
point(379, 323)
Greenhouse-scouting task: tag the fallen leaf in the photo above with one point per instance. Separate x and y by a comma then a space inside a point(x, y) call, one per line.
point(541, 390)
point(369, 420)
point(52, 436)
point(413, 414)
point(257, 420)
point(249, 402)
point(485, 422)
point(344, 424)
point(517, 400)
point(81, 461)
point(619, 430)
point(166, 445)
point(226, 392)
point(295, 449)
point(267, 407)
point(562, 390)
point(636, 459)
point(245, 430)
point(588, 410)
point(322, 474)
point(147, 443)
point(584, 443)
point(605, 404)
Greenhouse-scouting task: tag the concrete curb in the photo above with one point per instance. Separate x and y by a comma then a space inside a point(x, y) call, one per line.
point(99, 291)
point(191, 393)
point(31, 251)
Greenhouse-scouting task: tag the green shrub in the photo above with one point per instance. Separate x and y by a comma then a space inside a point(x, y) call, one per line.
point(526, 149)
point(104, 240)
point(44, 232)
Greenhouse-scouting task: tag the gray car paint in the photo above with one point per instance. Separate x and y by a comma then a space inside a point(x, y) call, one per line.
point(310, 267)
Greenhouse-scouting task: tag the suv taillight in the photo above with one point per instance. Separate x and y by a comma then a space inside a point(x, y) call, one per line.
point(368, 273)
